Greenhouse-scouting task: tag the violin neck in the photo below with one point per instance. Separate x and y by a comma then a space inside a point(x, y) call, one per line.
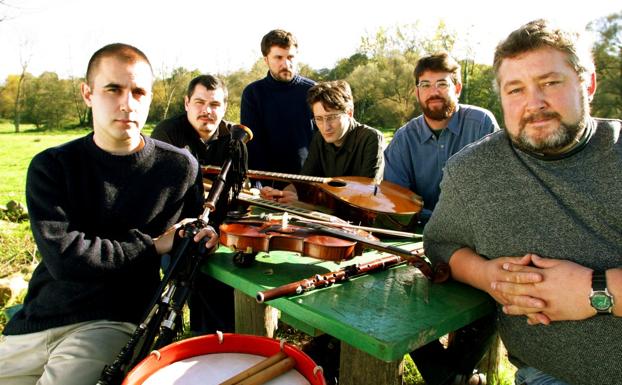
point(312, 214)
point(370, 242)
point(414, 257)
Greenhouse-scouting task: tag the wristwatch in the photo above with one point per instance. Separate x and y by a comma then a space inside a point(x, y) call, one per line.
point(600, 298)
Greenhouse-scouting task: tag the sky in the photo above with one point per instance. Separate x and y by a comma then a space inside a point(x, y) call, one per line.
point(223, 36)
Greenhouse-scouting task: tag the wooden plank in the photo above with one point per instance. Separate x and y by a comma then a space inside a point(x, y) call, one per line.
point(254, 318)
point(249, 315)
point(357, 367)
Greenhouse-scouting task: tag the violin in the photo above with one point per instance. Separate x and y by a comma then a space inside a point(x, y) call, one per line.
point(359, 199)
point(252, 236)
point(317, 241)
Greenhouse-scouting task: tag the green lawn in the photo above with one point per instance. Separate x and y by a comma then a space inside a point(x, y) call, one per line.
point(17, 149)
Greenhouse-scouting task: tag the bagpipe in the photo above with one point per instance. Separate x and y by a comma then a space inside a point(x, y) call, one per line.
point(161, 323)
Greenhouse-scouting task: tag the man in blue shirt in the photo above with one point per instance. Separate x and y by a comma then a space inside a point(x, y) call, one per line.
point(415, 159)
point(419, 150)
point(275, 109)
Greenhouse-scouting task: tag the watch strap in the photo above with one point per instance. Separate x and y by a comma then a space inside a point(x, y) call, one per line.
point(599, 280)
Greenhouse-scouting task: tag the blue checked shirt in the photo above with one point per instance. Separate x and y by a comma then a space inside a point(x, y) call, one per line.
point(415, 157)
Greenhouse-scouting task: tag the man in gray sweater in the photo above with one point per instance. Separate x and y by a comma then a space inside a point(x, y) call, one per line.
point(531, 214)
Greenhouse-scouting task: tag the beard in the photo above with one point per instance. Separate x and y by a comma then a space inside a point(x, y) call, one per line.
point(442, 113)
point(559, 139)
point(283, 75)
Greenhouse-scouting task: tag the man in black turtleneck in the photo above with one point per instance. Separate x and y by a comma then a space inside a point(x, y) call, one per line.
point(275, 109)
point(203, 131)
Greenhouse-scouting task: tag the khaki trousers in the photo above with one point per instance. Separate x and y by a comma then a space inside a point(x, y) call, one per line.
point(69, 355)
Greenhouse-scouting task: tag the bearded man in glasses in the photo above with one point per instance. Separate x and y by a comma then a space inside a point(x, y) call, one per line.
point(419, 150)
point(415, 159)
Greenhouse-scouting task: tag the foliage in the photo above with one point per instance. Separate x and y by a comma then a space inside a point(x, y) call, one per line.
point(608, 59)
point(13, 212)
point(236, 82)
point(45, 101)
point(343, 68)
point(380, 73)
point(412, 38)
point(384, 91)
point(477, 88)
point(168, 93)
point(19, 251)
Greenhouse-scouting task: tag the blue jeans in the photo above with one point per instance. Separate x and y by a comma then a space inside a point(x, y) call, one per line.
point(532, 376)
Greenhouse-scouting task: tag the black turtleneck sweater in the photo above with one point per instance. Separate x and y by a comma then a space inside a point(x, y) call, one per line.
point(93, 216)
point(280, 118)
point(179, 132)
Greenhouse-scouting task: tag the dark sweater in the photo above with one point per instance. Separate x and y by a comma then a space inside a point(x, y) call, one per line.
point(179, 132)
point(360, 154)
point(93, 216)
point(500, 201)
point(280, 118)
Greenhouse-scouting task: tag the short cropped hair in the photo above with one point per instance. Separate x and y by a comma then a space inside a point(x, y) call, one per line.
point(334, 95)
point(438, 62)
point(277, 37)
point(208, 81)
point(123, 52)
point(540, 34)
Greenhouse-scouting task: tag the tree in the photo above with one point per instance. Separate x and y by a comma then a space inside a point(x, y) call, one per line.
point(168, 93)
point(384, 90)
point(24, 61)
point(5, 8)
point(478, 87)
point(607, 52)
point(82, 111)
point(7, 95)
point(236, 81)
point(409, 38)
point(382, 79)
point(48, 102)
point(344, 67)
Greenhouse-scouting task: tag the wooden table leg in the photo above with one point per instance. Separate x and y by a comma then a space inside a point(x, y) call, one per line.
point(252, 317)
point(359, 368)
point(489, 365)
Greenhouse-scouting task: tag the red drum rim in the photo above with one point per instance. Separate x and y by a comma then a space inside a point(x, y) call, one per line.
point(230, 343)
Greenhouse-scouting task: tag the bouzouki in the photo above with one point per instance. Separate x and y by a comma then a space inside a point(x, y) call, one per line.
point(359, 199)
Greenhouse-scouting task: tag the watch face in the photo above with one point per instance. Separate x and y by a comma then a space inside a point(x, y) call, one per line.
point(601, 301)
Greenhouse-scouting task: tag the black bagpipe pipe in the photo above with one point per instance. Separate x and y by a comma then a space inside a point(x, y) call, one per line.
point(161, 322)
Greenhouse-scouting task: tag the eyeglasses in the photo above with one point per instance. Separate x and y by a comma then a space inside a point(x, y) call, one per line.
point(441, 85)
point(327, 118)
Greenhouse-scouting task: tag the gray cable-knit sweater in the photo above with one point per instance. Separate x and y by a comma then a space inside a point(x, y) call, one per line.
point(500, 201)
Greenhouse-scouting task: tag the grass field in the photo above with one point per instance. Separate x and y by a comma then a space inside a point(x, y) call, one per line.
point(16, 150)
point(17, 249)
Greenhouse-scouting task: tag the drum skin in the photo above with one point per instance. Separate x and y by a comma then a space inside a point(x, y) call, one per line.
point(231, 343)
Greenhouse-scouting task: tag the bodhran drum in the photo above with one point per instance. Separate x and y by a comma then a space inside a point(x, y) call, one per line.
point(214, 358)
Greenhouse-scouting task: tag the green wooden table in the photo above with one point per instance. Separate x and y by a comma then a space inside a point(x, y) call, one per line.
point(378, 317)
